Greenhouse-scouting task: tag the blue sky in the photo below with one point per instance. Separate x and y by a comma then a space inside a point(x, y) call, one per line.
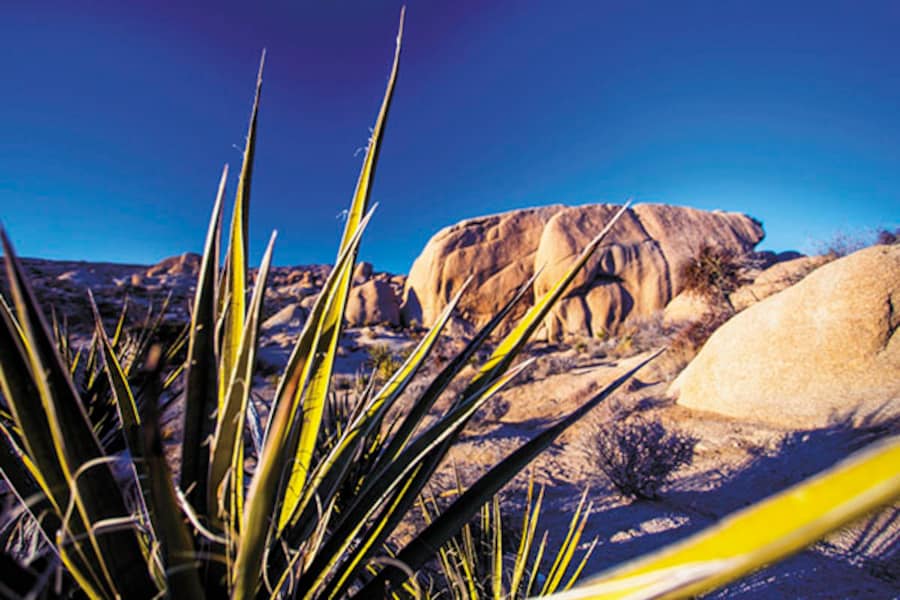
point(117, 117)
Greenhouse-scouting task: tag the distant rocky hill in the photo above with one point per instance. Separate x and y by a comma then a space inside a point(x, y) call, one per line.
point(63, 285)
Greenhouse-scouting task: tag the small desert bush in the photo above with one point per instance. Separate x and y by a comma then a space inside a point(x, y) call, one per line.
point(844, 243)
point(714, 273)
point(639, 455)
point(638, 335)
point(686, 343)
point(383, 361)
point(553, 364)
point(886, 237)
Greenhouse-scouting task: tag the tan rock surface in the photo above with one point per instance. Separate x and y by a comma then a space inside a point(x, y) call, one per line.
point(682, 231)
point(628, 276)
point(362, 272)
point(774, 279)
point(497, 251)
point(687, 307)
point(372, 303)
point(634, 275)
point(183, 264)
point(819, 351)
point(291, 316)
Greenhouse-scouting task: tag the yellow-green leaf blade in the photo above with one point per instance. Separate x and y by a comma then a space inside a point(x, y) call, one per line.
point(201, 377)
point(326, 349)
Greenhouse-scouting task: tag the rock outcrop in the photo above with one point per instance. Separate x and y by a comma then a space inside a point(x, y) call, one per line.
point(635, 272)
point(820, 351)
point(290, 318)
point(372, 303)
point(779, 276)
point(688, 307)
point(183, 264)
point(497, 251)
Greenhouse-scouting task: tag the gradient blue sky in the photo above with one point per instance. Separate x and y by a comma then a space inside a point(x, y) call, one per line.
point(117, 117)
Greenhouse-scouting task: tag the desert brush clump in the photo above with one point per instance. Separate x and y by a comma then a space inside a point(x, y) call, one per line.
point(245, 508)
point(383, 361)
point(714, 273)
point(639, 455)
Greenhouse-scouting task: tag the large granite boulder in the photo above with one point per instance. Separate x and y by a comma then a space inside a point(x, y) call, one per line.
point(633, 274)
point(372, 303)
point(497, 251)
point(820, 351)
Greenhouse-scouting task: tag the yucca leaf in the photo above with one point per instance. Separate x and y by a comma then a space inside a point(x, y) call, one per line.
point(529, 527)
point(149, 330)
point(279, 443)
point(581, 565)
point(178, 552)
point(236, 264)
point(226, 454)
point(426, 450)
point(760, 534)
point(567, 549)
point(127, 409)
point(20, 391)
point(22, 477)
point(201, 382)
point(330, 472)
point(96, 493)
point(497, 551)
point(538, 560)
point(326, 348)
point(449, 522)
point(120, 324)
point(121, 390)
point(437, 386)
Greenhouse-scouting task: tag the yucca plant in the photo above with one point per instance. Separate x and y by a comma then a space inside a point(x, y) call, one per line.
point(237, 524)
point(489, 559)
point(219, 519)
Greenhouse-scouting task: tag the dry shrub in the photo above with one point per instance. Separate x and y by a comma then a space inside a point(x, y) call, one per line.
point(842, 243)
point(685, 344)
point(383, 361)
point(639, 335)
point(639, 455)
point(886, 237)
point(714, 273)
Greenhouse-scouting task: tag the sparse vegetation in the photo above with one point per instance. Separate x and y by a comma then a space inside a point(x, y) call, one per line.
point(639, 455)
point(383, 361)
point(714, 273)
point(494, 557)
point(843, 243)
point(886, 237)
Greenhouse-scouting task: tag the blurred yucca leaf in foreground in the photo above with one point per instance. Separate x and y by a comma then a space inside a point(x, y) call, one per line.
point(83, 453)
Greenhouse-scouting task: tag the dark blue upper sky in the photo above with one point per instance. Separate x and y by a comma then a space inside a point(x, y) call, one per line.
point(117, 117)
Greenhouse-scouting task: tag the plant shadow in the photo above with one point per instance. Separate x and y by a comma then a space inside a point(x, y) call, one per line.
point(863, 560)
